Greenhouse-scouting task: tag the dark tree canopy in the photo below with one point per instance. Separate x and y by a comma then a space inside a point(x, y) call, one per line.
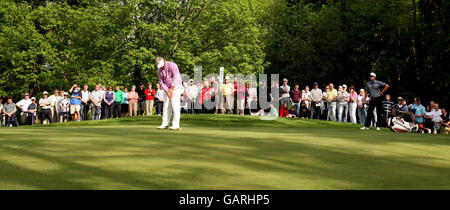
point(53, 44)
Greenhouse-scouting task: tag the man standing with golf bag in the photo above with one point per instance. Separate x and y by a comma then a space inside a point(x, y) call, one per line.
point(171, 83)
point(373, 90)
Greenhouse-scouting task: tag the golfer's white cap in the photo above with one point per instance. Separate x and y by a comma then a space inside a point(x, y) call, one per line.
point(373, 74)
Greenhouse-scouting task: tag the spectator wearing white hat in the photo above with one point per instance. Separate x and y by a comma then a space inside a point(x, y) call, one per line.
point(46, 113)
point(23, 105)
point(31, 111)
point(64, 105)
point(375, 93)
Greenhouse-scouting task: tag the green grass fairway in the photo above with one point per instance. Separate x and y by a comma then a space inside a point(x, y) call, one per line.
point(220, 152)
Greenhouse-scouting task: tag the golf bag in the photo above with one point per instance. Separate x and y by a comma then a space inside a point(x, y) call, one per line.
point(399, 125)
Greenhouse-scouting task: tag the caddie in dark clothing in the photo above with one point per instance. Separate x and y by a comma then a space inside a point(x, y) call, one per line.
point(375, 92)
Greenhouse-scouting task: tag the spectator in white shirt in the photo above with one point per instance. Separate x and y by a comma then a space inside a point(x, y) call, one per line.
point(23, 105)
point(160, 99)
point(192, 94)
point(285, 89)
point(436, 112)
point(306, 97)
point(85, 94)
point(316, 100)
point(46, 113)
point(362, 114)
point(54, 99)
point(96, 98)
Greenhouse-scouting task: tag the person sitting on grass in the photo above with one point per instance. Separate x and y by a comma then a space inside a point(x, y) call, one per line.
point(293, 112)
point(64, 108)
point(445, 122)
point(284, 110)
point(304, 112)
point(253, 107)
point(32, 109)
point(272, 113)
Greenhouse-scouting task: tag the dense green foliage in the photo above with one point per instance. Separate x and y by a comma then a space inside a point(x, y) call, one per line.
point(52, 44)
point(220, 152)
point(406, 42)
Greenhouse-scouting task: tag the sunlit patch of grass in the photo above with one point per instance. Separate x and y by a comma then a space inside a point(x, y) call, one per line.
point(220, 152)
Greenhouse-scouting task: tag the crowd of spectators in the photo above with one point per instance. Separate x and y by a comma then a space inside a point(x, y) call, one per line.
point(342, 104)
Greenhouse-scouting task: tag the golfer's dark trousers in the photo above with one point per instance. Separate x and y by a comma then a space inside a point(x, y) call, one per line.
point(374, 102)
point(84, 111)
point(117, 109)
point(47, 114)
point(315, 110)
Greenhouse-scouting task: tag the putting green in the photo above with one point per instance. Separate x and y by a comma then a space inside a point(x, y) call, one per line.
point(220, 152)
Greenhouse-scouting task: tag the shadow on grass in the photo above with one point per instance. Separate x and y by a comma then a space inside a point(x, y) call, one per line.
point(220, 159)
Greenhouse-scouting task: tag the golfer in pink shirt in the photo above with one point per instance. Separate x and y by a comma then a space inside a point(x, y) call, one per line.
point(171, 84)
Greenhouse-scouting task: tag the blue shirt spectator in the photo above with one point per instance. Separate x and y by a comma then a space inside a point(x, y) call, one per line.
point(75, 97)
point(418, 110)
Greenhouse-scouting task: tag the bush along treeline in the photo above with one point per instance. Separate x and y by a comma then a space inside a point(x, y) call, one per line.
point(53, 44)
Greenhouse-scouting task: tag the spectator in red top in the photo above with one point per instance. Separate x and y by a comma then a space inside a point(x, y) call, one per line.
point(149, 99)
point(284, 110)
point(205, 97)
point(296, 98)
point(241, 90)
